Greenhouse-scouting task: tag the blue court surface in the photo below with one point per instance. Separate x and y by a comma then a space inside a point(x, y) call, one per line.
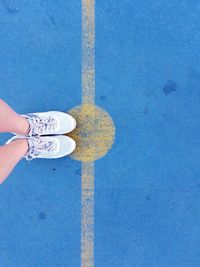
point(147, 188)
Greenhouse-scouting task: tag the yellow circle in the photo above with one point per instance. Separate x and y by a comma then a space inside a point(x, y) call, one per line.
point(94, 133)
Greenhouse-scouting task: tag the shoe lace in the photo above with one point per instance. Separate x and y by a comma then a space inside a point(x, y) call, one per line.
point(38, 145)
point(41, 125)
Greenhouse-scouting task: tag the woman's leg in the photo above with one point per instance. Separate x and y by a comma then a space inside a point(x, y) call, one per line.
point(10, 121)
point(10, 155)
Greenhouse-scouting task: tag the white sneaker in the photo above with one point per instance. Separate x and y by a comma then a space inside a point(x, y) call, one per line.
point(47, 147)
point(50, 123)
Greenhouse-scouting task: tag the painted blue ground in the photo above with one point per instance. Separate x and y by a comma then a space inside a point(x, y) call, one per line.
point(148, 187)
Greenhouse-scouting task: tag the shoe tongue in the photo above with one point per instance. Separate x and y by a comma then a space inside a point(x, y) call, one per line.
point(43, 124)
point(39, 145)
point(32, 120)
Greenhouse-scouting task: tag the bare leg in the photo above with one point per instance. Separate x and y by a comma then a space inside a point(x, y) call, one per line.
point(10, 121)
point(10, 155)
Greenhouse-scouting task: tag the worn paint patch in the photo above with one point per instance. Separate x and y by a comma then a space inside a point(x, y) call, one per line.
point(170, 87)
point(94, 134)
point(9, 6)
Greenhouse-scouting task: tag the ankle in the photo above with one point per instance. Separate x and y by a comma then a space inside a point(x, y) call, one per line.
point(24, 126)
point(23, 145)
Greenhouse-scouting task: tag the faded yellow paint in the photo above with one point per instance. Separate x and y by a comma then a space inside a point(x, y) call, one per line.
point(87, 215)
point(94, 134)
point(88, 51)
point(88, 97)
point(88, 85)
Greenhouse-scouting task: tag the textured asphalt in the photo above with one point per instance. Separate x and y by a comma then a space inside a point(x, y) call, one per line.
point(147, 188)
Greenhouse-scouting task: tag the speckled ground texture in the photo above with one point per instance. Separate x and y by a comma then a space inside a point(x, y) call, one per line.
point(147, 188)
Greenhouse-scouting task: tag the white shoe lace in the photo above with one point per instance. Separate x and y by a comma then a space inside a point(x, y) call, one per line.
point(39, 126)
point(38, 145)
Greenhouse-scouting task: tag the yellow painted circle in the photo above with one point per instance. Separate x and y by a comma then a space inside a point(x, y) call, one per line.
point(94, 133)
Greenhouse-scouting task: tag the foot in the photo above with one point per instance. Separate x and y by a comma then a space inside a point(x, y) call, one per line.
point(47, 147)
point(50, 123)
